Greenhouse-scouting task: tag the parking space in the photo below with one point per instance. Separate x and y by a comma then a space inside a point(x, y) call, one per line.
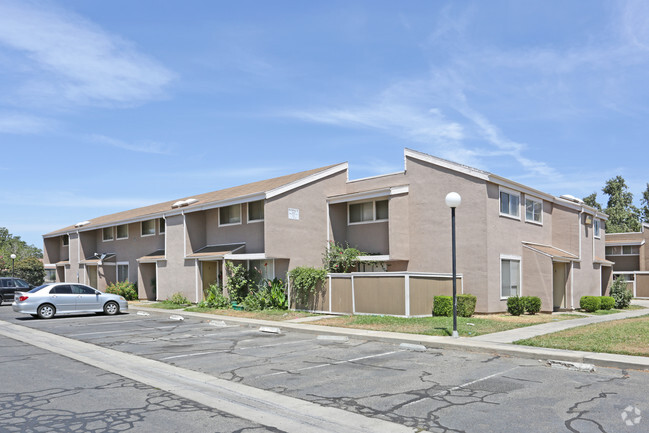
point(436, 390)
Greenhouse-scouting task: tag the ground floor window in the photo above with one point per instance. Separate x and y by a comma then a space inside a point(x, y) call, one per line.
point(261, 269)
point(510, 277)
point(122, 272)
point(50, 275)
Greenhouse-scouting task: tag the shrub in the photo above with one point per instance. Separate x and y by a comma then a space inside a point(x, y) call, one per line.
point(304, 280)
point(465, 305)
point(608, 302)
point(621, 294)
point(590, 303)
point(31, 270)
point(215, 298)
point(123, 288)
point(237, 282)
point(515, 306)
point(532, 304)
point(442, 306)
point(178, 298)
point(270, 294)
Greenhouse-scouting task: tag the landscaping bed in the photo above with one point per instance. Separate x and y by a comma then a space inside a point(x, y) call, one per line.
point(626, 337)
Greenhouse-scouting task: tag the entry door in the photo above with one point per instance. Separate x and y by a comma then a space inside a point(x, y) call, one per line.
point(559, 286)
point(92, 276)
point(209, 275)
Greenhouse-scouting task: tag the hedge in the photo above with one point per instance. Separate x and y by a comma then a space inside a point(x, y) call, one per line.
point(590, 303)
point(443, 305)
point(515, 305)
point(608, 302)
point(532, 304)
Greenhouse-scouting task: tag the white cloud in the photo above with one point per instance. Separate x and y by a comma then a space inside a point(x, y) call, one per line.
point(11, 123)
point(142, 147)
point(69, 59)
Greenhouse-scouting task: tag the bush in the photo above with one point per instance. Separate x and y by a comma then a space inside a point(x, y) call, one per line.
point(123, 288)
point(305, 280)
point(269, 295)
point(590, 303)
point(621, 294)
point(178, 298)
point(443, 306)
point(532, 304)
point(515, 306)
point(607, 302)
point(237, 282)
point(215, 298)
point(465, 305)
point(31, 270)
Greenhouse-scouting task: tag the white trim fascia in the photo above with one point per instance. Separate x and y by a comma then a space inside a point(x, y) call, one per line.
point(358, 196)
point(392, 274)
point(464, 169)
point(248, 256)
point(229, 202)
point(376, 177)
point(307, 180)
point(383, 258)
point(501, 181)
point(625, 244)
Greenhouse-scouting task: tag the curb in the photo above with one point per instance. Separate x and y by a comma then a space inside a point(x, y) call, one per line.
point(607, 360)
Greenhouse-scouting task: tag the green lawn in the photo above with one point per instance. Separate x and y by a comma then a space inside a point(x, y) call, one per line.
point(626, 337)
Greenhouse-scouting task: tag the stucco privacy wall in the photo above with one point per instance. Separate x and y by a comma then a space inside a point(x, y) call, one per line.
point(303, 240)
point(538, 273)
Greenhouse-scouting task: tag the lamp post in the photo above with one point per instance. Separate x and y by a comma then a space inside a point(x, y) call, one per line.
point(13, 258)
point(453, 200)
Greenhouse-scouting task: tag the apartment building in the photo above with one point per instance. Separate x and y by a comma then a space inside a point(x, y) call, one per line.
point(511, 239)
point(628, 252)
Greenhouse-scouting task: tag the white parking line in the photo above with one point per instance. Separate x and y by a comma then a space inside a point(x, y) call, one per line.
point(272, 345)
point(191, 354)
point(334, 363)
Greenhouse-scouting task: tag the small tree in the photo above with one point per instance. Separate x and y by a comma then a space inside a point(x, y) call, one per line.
point(31, 270)
point(623, 216)
point(340, 259)
point(237, 282)
point(621, 294)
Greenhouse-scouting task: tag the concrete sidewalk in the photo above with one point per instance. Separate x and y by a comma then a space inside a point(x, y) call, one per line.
point(463, 343)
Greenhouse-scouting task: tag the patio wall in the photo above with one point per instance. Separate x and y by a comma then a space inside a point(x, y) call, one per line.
point(404, 294)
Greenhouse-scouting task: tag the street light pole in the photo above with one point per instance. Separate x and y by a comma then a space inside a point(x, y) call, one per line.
point(453, 200)
point(13, 258)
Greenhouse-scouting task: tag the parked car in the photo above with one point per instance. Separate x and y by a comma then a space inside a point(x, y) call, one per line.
point(9, 285)
point(67, 298)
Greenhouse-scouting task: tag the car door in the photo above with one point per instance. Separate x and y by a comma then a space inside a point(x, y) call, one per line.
point(87, 298)
point(62, 298)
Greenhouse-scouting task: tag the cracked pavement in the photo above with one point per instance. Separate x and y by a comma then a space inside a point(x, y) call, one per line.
point(435, 390)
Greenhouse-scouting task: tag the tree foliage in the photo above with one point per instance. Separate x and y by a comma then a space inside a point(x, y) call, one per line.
point(644, 211)
point(591, 201)
point(26, 264)
point(623, 216)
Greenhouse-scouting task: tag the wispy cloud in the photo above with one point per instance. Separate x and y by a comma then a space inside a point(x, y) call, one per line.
point(12, 123)
point(69, 59)
point(141, 147)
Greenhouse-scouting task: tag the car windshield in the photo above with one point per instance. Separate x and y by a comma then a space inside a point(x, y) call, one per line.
point(36, 289)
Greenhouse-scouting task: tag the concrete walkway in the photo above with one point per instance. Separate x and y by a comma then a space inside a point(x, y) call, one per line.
point(548, 328)
point(463, 343)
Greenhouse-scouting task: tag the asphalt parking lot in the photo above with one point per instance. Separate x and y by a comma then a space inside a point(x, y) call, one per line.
point(435, 390)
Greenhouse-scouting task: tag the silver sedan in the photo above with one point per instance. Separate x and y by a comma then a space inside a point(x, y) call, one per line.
point(66, 298)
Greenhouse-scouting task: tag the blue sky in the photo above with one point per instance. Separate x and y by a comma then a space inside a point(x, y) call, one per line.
point(107, 106)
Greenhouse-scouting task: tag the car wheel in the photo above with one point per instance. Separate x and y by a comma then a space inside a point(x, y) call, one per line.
point(46, 311)
point(111, 308)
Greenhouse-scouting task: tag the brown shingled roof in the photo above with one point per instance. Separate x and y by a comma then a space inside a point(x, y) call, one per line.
point(555, 252)
point(203, 199)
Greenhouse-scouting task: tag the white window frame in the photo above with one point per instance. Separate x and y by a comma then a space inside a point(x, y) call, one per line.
point(142, 235)
point(230, 224)
point(597, 228)
point(272, 267)
point(118, 264)
point(112, 232)
point(621, 247)
point(520, 274)
point(162, 223)
point(263, 210)
point(373, 220)
point(63, 242)
point(117, 232)
point(533, 200)
point(510, 192)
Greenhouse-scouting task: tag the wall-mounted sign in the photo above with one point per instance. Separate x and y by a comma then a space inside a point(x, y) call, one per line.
point(293, 214)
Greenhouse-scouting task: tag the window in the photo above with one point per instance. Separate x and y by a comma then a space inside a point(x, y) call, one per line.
point(122, 231)
point(65, 240)
point(596, 227)
point(256, 211)
point(509, 203)
point(162, 224)
point(623, 250)
point(261, 270)
point(368, 212)
point(122, 272)
point(63, 289)
point(533, 210)
point(148, 228)
point(510, 277)
point(82, 290)
point(50, 275)
point(107, 234)
point(230, 215)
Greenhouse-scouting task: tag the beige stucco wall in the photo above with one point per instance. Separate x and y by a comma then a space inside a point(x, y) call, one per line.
point(252, 233)
point(51, 250)
point(538, 280)
point(302, 241)
point(371, 238)
point(177, 274)
point(565, 232)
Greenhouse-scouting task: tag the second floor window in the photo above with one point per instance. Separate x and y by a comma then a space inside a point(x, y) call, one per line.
point(256, 210)
point(509, 203)
point(368, 211)
point(230, 215)
point(122, 231)
point(107, 233)
point(148, 228)
point(533, 210)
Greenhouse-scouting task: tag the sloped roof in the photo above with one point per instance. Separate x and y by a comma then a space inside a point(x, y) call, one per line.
point(215, 251)
point(153, 257)
point(143, 213)
point(554, 252)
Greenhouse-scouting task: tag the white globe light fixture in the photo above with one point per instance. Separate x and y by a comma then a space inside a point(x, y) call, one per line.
point(13, 257)
point(453, 200)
